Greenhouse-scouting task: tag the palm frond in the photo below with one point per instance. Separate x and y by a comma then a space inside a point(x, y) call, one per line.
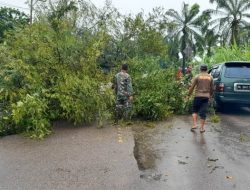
point(245, 7)
point(174, 14)
point(230, 5)
point(224, 22)
point(184, 11)
point(246, 15)
point(193, 12)
point(177, 32)
point(194, 31)
point(217, 12)
point(226, 35)
point(220, 22)
point(245, 23)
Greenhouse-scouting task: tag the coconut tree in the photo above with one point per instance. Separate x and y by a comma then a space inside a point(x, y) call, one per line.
point(231, 19)
point(186, 27)
point(210, 37)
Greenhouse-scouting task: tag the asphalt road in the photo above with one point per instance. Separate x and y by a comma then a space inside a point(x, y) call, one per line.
point(145, 156)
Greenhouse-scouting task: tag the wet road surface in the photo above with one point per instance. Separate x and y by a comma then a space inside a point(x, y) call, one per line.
point(72, 158)
point(163, 155)
point(180, 159)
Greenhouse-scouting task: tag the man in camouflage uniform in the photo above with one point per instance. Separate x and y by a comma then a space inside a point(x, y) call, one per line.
point(122, 85)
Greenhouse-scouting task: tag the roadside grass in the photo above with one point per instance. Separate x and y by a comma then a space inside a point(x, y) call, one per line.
point(244, 138)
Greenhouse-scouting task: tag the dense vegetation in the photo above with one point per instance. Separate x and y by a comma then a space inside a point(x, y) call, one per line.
point(61, 66)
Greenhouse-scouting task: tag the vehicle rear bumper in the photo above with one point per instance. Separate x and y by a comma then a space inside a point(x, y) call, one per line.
point(221, 99)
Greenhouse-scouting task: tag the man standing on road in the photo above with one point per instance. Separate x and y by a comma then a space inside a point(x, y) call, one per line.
point(203, 85)
point(124, 94)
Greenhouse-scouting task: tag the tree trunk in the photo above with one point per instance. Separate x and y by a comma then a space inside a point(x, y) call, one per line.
point(183, 47)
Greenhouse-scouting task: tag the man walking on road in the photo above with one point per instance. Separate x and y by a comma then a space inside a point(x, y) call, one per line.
point(203, 85)
point(124, 94)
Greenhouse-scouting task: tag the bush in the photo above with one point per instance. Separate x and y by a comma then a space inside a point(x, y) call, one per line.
point(157, 93)
point(47, 75)
point(31, 114)
point(224, 54)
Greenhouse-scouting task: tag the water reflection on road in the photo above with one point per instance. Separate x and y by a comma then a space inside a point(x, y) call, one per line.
point(179, 158)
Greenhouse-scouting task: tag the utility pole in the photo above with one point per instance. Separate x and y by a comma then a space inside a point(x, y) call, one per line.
point(31, 11)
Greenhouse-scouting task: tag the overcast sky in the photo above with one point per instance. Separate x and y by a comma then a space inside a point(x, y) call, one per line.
point(127, 6)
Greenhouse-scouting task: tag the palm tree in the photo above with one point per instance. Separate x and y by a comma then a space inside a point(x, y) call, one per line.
point(186, 27)
point(232, 19)
point(210, 37)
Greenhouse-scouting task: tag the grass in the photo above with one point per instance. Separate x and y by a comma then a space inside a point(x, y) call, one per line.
point(215, 118)
point(244, 138)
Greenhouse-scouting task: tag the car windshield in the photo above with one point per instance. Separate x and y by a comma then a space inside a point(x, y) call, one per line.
point(238, 72)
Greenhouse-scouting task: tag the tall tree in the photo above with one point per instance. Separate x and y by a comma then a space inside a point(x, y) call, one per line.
point(209, 38)
point(60, 10)
point(10, 19)
point(186, 27)
point(232, 19)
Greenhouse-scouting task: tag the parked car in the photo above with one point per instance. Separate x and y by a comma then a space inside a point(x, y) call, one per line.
point(232, 84)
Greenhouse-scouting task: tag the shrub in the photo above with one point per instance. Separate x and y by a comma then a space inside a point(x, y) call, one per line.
point(157, 93)
point(31, 115)
point(47, 75)
point(224, 54)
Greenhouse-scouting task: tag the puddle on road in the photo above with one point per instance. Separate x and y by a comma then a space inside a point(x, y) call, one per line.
point(144, 155)
point(148, 150)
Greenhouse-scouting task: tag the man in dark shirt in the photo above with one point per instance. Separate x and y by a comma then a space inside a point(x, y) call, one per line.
point(203, 85)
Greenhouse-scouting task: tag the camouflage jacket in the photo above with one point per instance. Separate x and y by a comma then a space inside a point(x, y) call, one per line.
point(123, 85)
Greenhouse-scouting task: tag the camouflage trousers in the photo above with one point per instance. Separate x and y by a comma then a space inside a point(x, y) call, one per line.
point(123, 109)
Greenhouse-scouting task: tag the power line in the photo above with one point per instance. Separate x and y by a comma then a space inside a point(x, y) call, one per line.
point(13, 6)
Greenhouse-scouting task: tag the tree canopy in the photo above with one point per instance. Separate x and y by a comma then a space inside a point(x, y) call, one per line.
point(10, 19)
point(233, 19)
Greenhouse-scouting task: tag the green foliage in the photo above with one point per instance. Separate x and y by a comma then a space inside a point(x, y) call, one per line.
point(186, 27)
point(10, 19)
point(53, 69)
point(47, 74)
point(157, 93)
point(214, 118)
point(30, 114)
point(224, 54)
point(81, 98)
point(232, 20)
point(140, 38)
